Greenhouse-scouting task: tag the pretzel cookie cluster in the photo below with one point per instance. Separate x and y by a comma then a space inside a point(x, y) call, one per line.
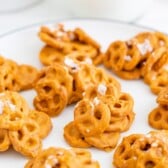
point(144, 56)
point(16, 77)
point(21, 127)
point(158, 116)
point(62, 84)
point(99, 117)
point(143, 151)
point(63, 158)
point(61, 42)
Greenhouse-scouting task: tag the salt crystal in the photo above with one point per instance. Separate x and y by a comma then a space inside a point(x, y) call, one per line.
point(145, 47)
point(96, 101)
point(88, 61)
point(10, 105)
point(102, 89)
point(70, 63)
point(51, 161)
point(127, 58)
point(154, 144)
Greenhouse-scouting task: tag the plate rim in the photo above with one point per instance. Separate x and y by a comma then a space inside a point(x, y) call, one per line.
point(55, 21)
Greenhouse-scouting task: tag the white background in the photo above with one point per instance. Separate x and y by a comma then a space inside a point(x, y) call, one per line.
point(156, 16)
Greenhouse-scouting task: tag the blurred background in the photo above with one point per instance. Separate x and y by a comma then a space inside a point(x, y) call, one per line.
point(19, 13)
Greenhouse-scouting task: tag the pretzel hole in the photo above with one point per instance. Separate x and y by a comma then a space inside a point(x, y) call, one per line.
point(150, 164)
point(98, 114)
point(126, 156)
point(44, 103)
point(2, 137)
point(30, 127)
point(31, 142)
point(145, 147)
point(47, 89)
point(20, 135)
point(74, 85)
point(157, 116)
point(121, 150)
point(117, 105)
point(162, 84)
point(6, 76)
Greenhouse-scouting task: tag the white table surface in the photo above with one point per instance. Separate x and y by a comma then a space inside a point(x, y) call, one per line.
point(155, 17)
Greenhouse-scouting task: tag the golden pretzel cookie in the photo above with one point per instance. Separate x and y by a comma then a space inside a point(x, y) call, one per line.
point(49, 55)
point(114, 56)
point(26, 140)
point(155, 64)
point(91, 118)
point(60, 157)
point(4, 140)
point(68, 42)
point(56, 72)
point(158, 118)
point(53, 105)
point(14, 109)
point(27, 76)
point(105, 141)
point(138, 150)
point(74, 137)
point(162, 39)
point(43, 120)
point(162, 98)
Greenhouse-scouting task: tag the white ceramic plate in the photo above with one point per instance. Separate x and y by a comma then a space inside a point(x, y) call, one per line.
point(23, 46)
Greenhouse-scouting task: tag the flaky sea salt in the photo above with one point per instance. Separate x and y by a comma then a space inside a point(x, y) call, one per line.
point(145, 47)
point(127, 58)
point(88, 61)
point(51, 161)
point(70, 63)
point(96, 101)
point(102, 89)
